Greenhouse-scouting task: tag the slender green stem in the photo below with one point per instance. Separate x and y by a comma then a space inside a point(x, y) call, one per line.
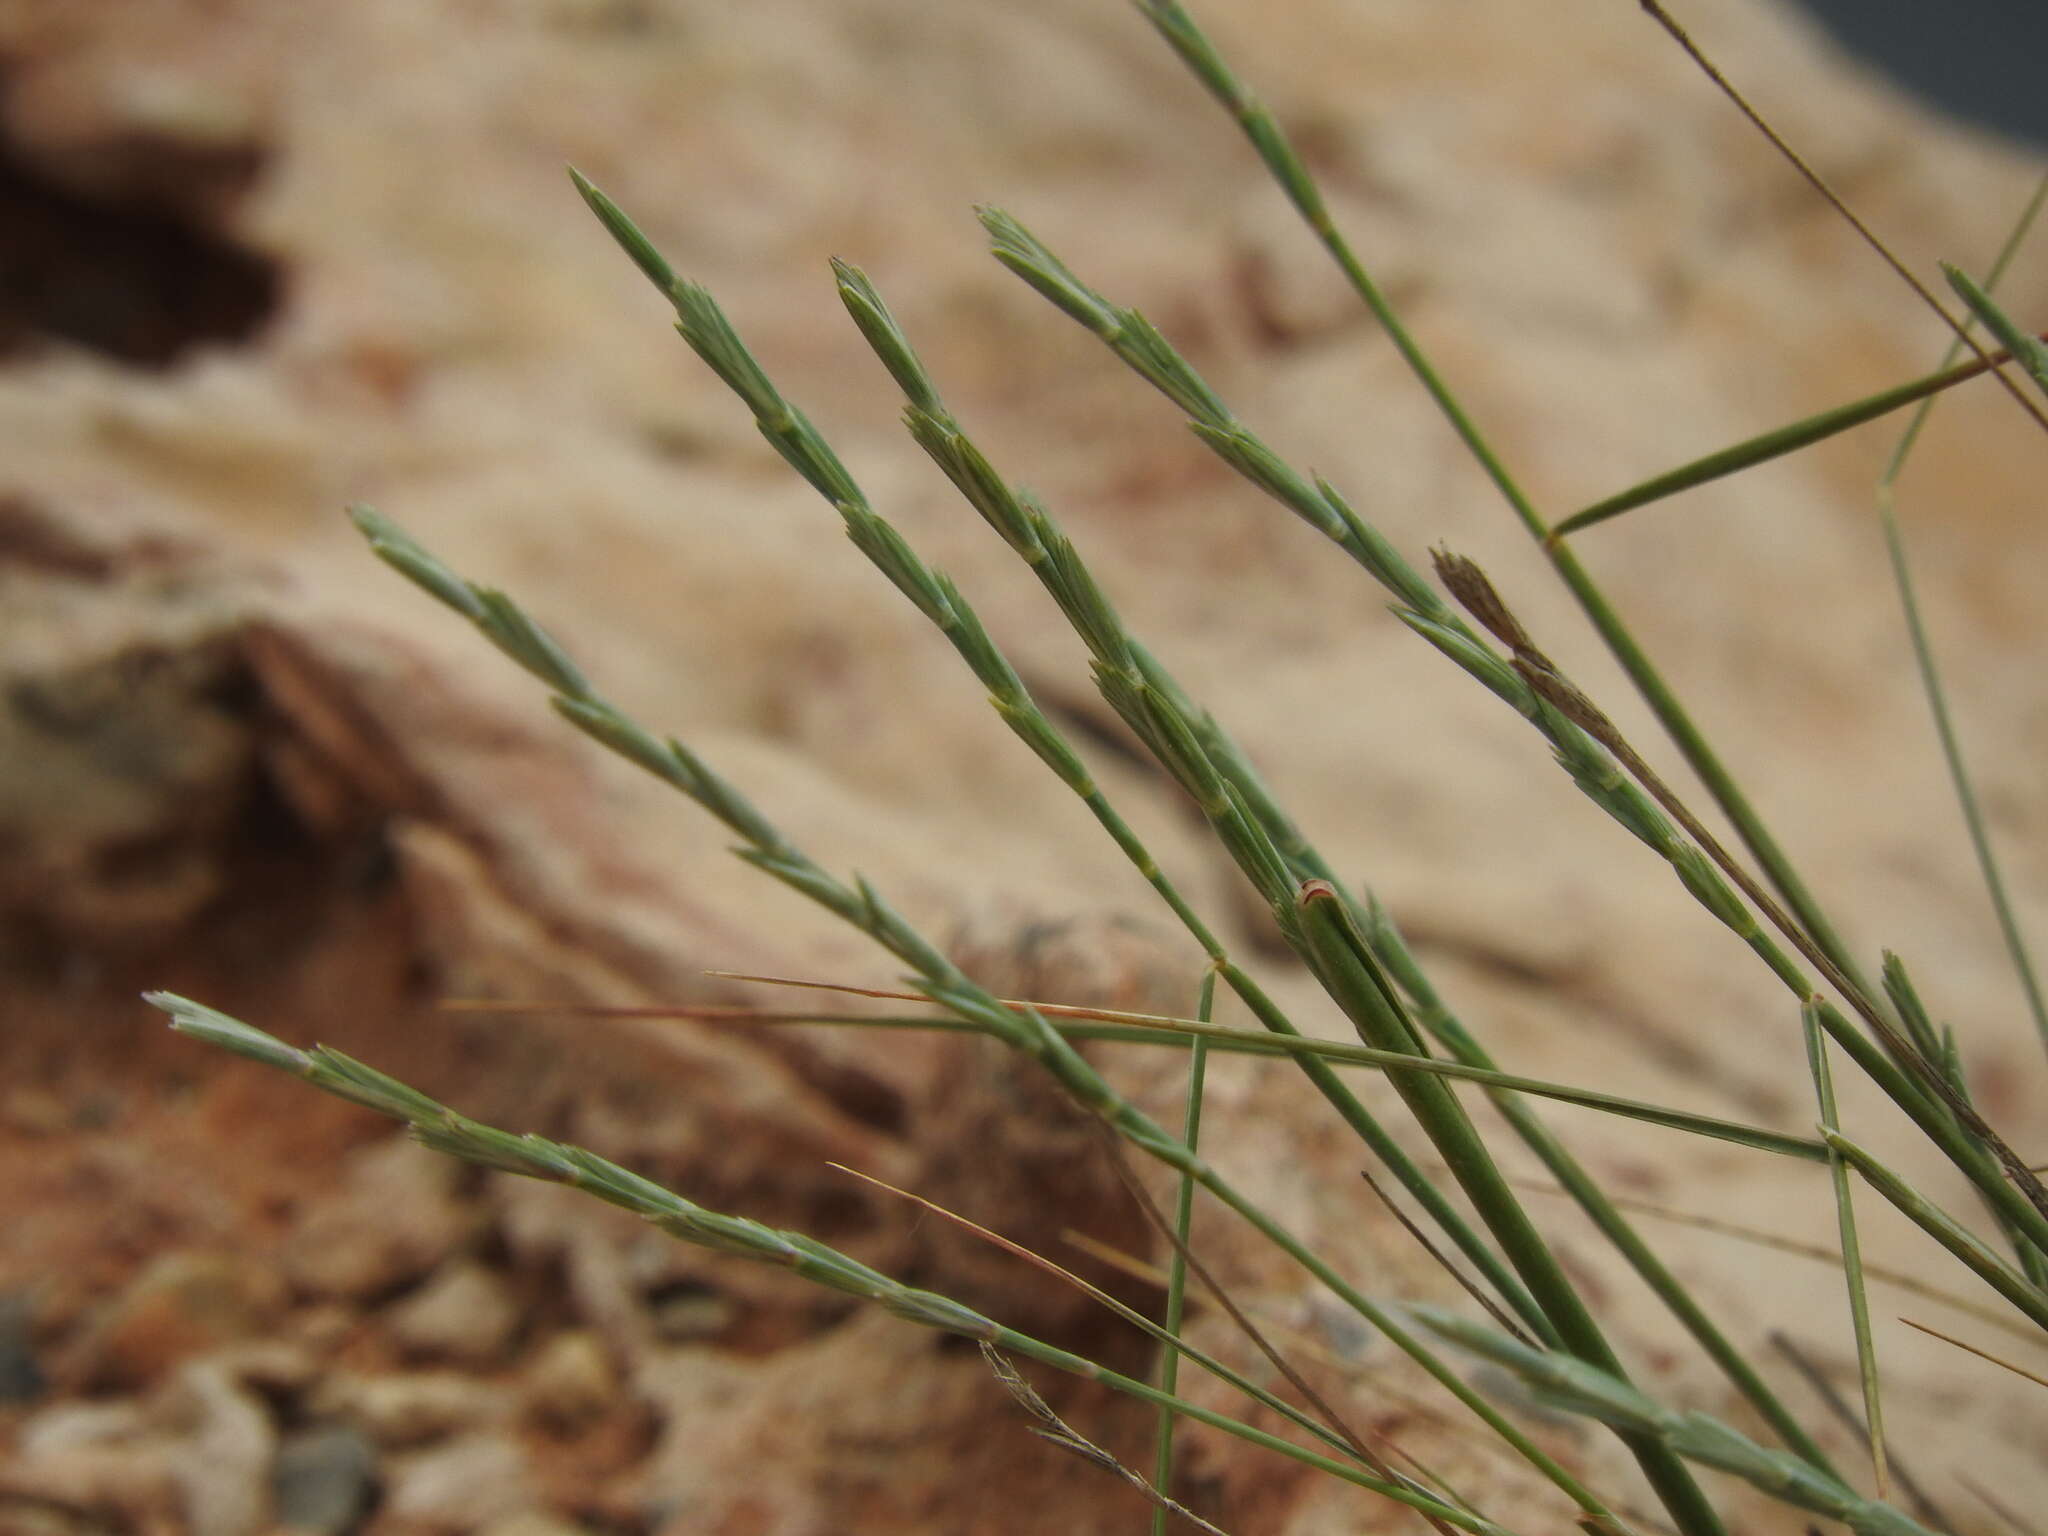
point(1345, 965)
point(1946, 1230)
point(1937, 1123)
point(1161, 1029)
point(1852, 1250)
point(1772, 445)
point(1432, 1013)
point(1930, 672)
point(1177, 1268)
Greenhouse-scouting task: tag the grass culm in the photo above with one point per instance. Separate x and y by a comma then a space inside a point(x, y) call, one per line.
point(1531, 1320)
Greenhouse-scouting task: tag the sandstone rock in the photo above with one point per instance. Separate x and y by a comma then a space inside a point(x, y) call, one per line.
point(1613, 271)
point(97, 1463)
point(572, 1380)
point(393, 1221)
point(465, 1313)
point(225, 1453)
point(403, 1411)
point(459, 1486)
point(182, 1305)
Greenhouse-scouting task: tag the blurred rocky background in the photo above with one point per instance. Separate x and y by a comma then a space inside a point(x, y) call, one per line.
point(259, 260)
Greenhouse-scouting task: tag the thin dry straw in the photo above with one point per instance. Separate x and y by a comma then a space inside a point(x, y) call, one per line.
point(1056, 1431)
point(1981, 1354)
point(442, 1130)
point(1442, 1260)
point(1332, 1437)
point(1813, 178)
point(1260, 1333)
point(1142, 1199)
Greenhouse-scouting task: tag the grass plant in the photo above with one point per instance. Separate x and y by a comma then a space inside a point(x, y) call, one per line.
point(1540, 1326)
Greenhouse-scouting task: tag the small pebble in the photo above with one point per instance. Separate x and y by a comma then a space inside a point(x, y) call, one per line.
point(465, 1314)
point(572, 1381)
point(324, 1480)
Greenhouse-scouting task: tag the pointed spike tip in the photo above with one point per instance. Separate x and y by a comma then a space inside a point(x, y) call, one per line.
point(622, 229)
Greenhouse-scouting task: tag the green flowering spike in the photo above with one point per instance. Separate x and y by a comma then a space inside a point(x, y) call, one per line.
point(972, 475)
point(1084, 604)
point(988, 664)
point(1898, 986)
point(507, 627)
point(627, 233)
point(885, 547)
point(1052, 748)
point(396, 548)
point(702, 324)
point(455, 1135)
point(885, 336)
point(1711, 889)
point(346, 1078)
point(1265, 469)
point(215, 1028)
point(1251, 848)
point(1018, 249)
point(1472, 654)
point(888, 926)
point(611, 730)
point(1139, 343)
point(1387, 565)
